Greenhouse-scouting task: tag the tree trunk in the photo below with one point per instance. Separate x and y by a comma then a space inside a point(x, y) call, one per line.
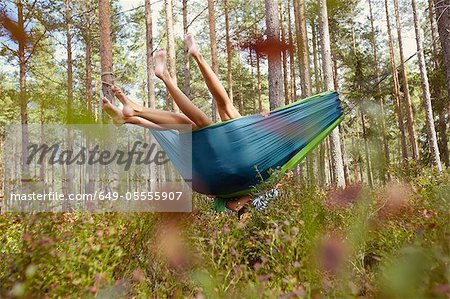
point(213, 43)
point(107, 76)
point(88, 83)
point(69, 59)
point(149, 55)
point(284, 56)
point(434, 37)
point(229, 52)
point(437, 91)
point(274, 55)
point(344, 157)
point(258, 76)
point(291, 55)
point(89, 182)
point(409, 112)
point(315, 58)
point(240, 96)
point(366, 151)
point(379, 99)
point(252, 73)
point(431, 132)
point(43, 166)
point(317, 88)
point(106, 49)
point(298, 45)
point(341, 131)
point(70, 170)
point(186, 68)
point(171, 59)
point(397, 100)
point(335, 142)
point(358, 74)
point(321, 164)
point(302, 45)
point(442, 9)
point(25, 169)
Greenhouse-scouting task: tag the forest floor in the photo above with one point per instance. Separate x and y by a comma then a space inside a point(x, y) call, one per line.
point(392, 241)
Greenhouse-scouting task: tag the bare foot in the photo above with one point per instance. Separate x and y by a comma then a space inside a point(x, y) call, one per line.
point(129, 107)
point(191, 45)
point(160, 64)
point(119, 94)
point(123, 98)
point(113, 111)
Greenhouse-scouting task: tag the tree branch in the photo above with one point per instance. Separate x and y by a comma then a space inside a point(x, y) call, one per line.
point(196, 17)
point(12, 50)
point(30, 10)
point(33, 48)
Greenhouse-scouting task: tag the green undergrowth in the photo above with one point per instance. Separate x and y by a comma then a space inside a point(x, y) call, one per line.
point(391, 242)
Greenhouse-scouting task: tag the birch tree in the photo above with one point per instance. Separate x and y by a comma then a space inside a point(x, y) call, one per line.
point(431, 132)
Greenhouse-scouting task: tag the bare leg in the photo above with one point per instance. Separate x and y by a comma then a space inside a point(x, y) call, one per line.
point(195, 116)
point(119, 119)
point(131, 109)
point(226, 109)
point(185, 105)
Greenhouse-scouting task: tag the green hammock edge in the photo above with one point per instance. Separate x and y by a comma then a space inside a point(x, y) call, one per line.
point(294, 160)
point(280, 108)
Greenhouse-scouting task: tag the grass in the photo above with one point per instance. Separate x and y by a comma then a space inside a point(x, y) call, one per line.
point(391, 242)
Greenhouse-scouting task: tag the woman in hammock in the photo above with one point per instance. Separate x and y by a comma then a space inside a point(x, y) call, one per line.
point(133, 113)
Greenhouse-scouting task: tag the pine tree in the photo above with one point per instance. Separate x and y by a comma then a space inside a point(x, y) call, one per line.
point(229, 51)
point(378, 97)
point(171, 59)
point(186, 66)
point(406, 95)
point(106, 49)
point(337, 165)
point(88, 58)
point(397, 100)
point(149, 55)
point(213, 45)
point(274, 55)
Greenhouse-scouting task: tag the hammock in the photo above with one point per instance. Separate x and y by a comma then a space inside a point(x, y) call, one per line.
point(230, 158)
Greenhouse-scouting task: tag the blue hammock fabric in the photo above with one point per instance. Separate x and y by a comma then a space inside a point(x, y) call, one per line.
point(232, 157)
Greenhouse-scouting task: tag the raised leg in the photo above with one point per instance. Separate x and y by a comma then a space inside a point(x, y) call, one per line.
point(197, 117)
point(226, 109)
